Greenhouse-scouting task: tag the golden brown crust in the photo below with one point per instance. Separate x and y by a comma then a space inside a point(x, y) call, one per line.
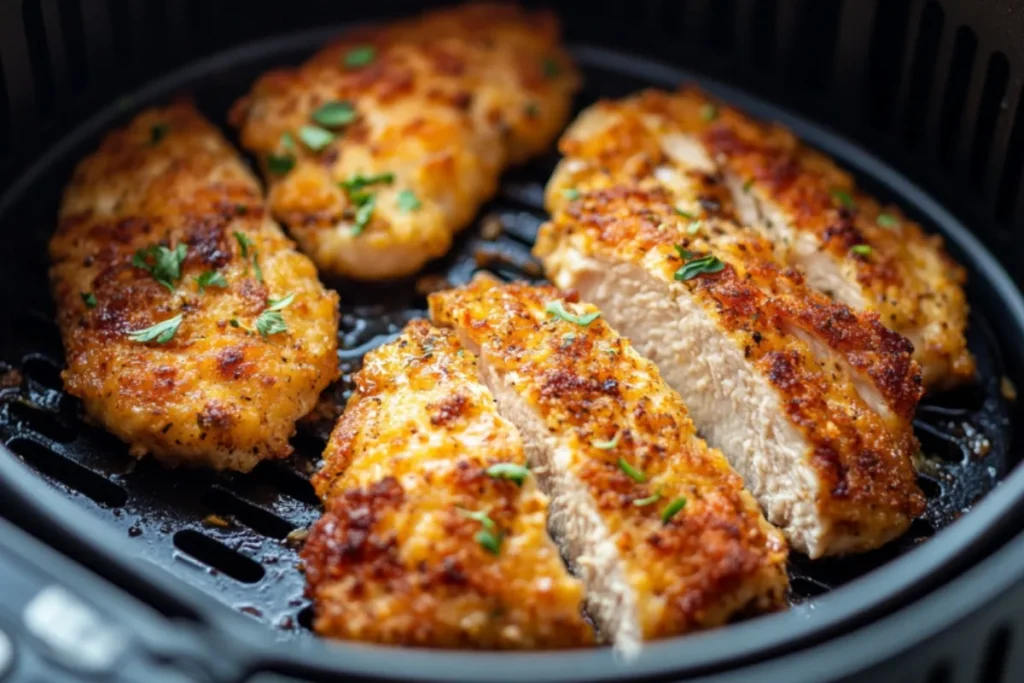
point(883, 261)
point(393, 560)
point(213, 395)
point(868, 486)
point(446, 102)
point(714, 558)
point(907, 276)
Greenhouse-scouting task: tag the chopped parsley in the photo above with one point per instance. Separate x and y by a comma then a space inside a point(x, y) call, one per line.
point(672, 509)
point(649, 500)
point(279, 164)
point(709, 112)
point(335, 114)
point(157, 133)
point(693, 228)
point(241, 209)
point(747, 185)
point(246, 246)
point(510, 471)
point(532, 110)
point(695, 266)
point(211, 278)
point(861, 249)
point(270, 321)
point(365, 202)
point(359, 57)
point(408, 201)
point(161, 333)
point(88, 298)
point(552, 69)
point(360, 181)
point(685, 214)
point(162, 263)
point(844, 198)
point(572, 194)
point(488, 537)
point(315, 138)
point(887, 220)
point(632, 472)
point(607, 445)
point(557, 309)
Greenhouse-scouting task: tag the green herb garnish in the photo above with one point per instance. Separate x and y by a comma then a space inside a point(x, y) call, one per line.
point(552, 69)
point(489, 537)
point(709, 112)
point(364, 213)
point(861, 249)
point(649, 500)
point(270, 321)
point(315, 138)
point(685, 214)
point(747, 185)
point(557, 309)
point(695, 266)
point(162, 263)
point(632, 472)
point(672, 509)
point(161, 333)
point(360, 181)
point(88, 298)
point(158, 133)
point(572, 194)
point(246, 246)
point(244, 243)
point(360, 56)
point(887, 220)
point(844, 198)
point(335, 114)
point(211, 278)
point(532, 110)
point(693, 228)
point(408, 201)
point(607, 445)
point(510, 471)
point(279, 164)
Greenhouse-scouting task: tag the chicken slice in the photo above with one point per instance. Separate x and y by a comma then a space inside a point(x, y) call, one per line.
point(809, 401)
point(656, 524)
point(434, 532)
point(193, 329)
point(385, 144)
point(868, 257)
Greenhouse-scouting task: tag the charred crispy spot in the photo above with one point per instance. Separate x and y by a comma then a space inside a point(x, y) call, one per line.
point(217, 415)
point(449, 410)
point(207, 241)
point(231, 363)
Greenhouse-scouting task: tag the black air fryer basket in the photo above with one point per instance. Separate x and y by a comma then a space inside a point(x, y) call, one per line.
point(127, 571)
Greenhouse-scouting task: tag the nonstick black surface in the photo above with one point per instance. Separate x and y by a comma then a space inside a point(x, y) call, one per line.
point(236, 537)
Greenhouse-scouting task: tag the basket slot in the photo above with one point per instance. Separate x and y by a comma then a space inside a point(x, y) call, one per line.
point(813, 54)
point(957, 82)
point(224, 502)
point(42, 422)
point(885, 60)
point(76, 477)
point(917, 90)
point(216, 555)
point(1010, 179)
point(992, 128)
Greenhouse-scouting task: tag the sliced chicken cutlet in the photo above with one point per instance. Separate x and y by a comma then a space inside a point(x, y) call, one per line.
point(386, 143)
point(434, 532)
point(809, 401)
point(655, 523)
point(869, 257)
point(193, 329)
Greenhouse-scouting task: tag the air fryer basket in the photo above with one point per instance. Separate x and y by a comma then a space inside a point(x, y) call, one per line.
point(932, 87)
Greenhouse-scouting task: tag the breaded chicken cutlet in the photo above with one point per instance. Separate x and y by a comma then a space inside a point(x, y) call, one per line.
point(870, 257)
point(656, 524)
point(434, 532)
point(811, 402)
point(194, 330)
point(385, 144)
